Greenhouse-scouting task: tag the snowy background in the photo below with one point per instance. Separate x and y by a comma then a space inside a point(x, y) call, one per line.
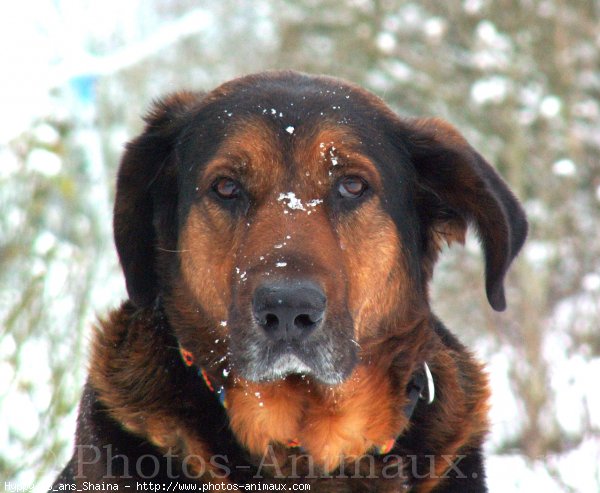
point(520, 79)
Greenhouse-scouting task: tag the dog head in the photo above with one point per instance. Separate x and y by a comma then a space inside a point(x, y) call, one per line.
point(285, 220)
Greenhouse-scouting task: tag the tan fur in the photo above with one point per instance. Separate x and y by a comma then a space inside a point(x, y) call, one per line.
point(371, 248)
point(261, 414)
point(329, 423)
point(349, 421)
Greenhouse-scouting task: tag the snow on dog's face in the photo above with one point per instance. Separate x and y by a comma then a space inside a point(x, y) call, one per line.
point(284, 234)
point(288, 219)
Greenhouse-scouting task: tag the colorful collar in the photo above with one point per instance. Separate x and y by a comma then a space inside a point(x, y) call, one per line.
point(188, 359)
point(421, 378)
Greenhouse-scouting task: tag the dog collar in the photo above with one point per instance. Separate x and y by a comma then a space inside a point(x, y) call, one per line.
point(420, 380)
point(188, 359)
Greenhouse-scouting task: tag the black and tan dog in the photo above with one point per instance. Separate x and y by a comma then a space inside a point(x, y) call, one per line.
point(277, 236)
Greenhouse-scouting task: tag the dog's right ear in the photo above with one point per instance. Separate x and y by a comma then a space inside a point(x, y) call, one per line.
point(146, 167)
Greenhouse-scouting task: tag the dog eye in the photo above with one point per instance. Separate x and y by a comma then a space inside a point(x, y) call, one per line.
point(226, 188)
point(351, 187)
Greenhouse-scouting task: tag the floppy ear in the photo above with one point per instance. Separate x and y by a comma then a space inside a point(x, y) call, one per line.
point(458, 187)
point(147, 173)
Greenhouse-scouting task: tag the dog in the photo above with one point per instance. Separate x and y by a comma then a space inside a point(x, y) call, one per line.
point(277, 237)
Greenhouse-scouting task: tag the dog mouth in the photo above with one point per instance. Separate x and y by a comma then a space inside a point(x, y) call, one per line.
point(289, 364)
point(325, 359)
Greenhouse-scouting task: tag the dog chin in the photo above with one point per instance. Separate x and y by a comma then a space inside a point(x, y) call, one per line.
point(290, 364)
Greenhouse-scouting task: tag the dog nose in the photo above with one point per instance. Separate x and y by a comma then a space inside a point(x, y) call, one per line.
point(289, 311)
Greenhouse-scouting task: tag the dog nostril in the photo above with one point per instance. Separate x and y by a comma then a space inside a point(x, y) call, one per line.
point(271, 322)
point(304, 322)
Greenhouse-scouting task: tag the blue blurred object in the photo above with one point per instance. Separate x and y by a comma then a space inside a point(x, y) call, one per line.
point(84, 87)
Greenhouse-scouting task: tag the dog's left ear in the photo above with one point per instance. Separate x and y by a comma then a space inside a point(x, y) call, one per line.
point(458, 187)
